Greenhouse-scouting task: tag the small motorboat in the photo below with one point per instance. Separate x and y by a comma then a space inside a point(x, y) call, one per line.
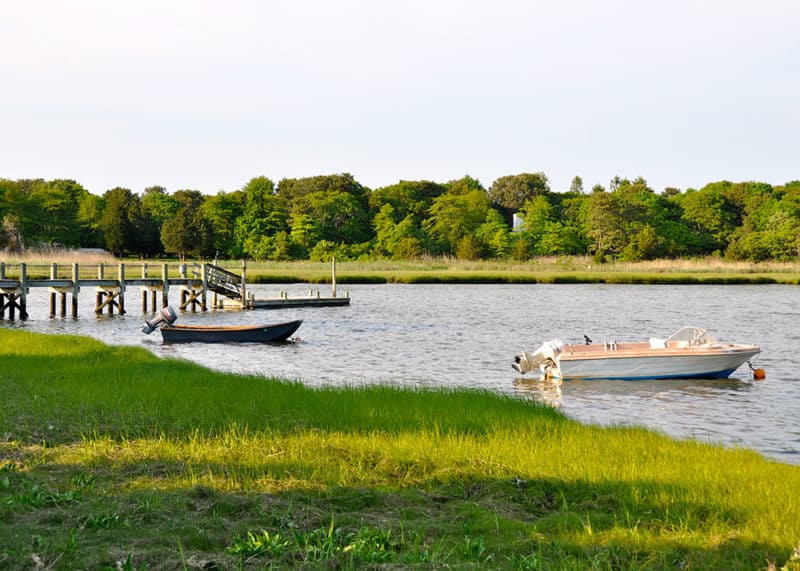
point(690, 353)
point(171, 333)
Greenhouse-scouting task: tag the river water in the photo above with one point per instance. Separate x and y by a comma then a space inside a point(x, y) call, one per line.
point(467, 336)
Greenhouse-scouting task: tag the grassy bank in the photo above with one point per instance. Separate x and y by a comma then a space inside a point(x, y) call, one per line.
point(567, 269)
point(541, 270)
point(112, 458)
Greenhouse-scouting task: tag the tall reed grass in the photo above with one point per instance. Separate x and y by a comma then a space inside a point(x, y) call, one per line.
point(114, 458)
point(562, 269)
point(47, 255)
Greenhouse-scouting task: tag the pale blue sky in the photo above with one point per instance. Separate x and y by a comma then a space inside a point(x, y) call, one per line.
point(206, 95)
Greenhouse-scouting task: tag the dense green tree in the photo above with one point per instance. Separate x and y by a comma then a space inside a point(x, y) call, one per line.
point(510, 193)
point(537, 212)
point(292, 189)
point(616, 182)
point(463, 185)
point(335, 215)
point(158, 205)
point(340, 216)
point(222, 211)
point(454, 216)
point(90, 212)
point(398, 240)
point(188, 232)
point(304, 235)
point(119, 220)
point(6, 187)
point(412, 197)
point(606, 224)
point(16, 212)
point(264, 215)
point(56, 221)
point(711, 215)
point(494, 235)
point(771, 225)
point(469, 248)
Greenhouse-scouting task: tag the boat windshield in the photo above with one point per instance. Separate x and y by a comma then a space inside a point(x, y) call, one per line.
point(692, 336)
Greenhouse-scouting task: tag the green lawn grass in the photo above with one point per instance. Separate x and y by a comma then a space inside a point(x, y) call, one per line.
point(113, 458)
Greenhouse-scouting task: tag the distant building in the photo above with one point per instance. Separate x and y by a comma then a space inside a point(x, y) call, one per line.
point(517, 223)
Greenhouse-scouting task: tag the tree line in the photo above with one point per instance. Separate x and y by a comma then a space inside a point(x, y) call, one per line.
point(334, 215)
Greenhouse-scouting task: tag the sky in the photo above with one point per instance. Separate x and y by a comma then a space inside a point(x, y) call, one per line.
point(207, 95)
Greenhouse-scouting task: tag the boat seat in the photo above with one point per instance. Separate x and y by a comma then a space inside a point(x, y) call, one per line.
point(657, 343)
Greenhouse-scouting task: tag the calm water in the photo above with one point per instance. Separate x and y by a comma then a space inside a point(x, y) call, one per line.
point(466, 336)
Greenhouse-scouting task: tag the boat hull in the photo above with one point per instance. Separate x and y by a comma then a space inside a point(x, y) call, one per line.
point(705, 365)
point(274, 332)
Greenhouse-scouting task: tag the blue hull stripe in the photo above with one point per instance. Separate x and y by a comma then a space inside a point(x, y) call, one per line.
point(710, 375)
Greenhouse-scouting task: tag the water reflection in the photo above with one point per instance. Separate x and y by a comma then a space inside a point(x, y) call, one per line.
point(546, 391)
point(655, 387)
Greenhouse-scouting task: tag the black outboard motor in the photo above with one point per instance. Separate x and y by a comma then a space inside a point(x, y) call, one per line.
point(166, 316)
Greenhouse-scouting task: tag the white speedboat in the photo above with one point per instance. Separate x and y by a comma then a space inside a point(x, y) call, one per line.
point(690, 353)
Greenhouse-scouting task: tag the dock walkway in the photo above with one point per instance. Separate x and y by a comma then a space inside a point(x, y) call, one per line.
point(195, 284)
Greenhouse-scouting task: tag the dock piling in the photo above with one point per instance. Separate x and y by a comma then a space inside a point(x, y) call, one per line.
point(144, 291)
point(165, 286)
point(75, 289)
point(121, 296)
point(333, 277)
point(23, 291)
point(53, 276)
point(2, 295)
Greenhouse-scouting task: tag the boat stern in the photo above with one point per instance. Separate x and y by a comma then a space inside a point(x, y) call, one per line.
point(544, 357)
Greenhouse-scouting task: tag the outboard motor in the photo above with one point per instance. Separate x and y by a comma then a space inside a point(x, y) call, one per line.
point(166, 316)
point(526, 362)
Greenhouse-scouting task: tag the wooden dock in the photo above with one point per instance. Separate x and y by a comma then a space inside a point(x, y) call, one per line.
point(200, 286)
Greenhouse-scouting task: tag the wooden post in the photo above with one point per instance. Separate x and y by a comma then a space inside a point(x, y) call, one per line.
point(23, 291)
point(244, 283)
point(53, 275)
point(205, 287)
point(121, 297)
point(63, 303)
point(144, 290)
point(165, 286)
point(182, 272)
point(2, 295)
point(75, 289)
point(333, 277)
point(98, 296)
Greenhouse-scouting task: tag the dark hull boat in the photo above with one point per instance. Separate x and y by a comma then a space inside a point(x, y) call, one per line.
point(229, 334)
point(165, 319)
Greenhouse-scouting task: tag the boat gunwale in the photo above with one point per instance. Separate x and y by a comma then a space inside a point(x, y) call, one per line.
point(568, 354)
point(216, 328)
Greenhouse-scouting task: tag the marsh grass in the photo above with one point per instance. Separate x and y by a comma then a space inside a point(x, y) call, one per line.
point(573, 269)
point(54, 255)
point(562, 269)
point(113, 458)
